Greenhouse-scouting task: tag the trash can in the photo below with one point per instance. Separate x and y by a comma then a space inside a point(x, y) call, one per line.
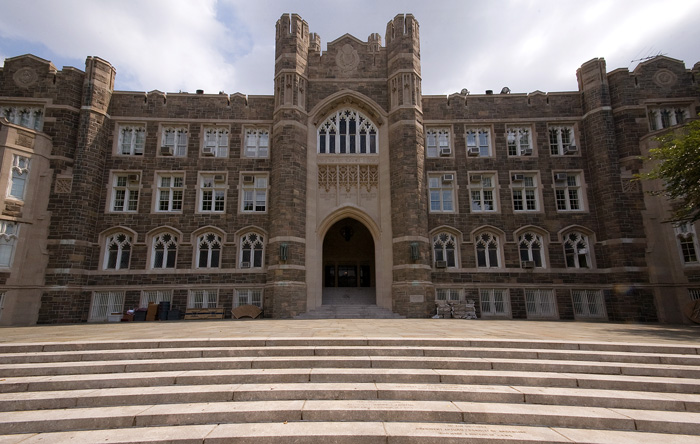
point(163, 309)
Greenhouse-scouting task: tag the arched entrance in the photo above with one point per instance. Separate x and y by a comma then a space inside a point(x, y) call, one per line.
point(349, 276)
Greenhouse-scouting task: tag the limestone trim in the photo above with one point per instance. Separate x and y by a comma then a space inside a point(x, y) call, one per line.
point(350, 99)
point(286, 267)
point(283, 123)
point(299, 240)
point(596, 111)
point(623, 240)
point(397, 240)
point(94, 110)
point(412, 267)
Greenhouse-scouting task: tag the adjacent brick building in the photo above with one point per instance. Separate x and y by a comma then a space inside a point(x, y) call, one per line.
point(345, 185)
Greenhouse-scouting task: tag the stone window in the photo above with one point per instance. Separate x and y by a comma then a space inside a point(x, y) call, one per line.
point(248, 296)
point(125, 192)
point(588, 304)
point(203, 299)
point(212, 192)
point(665, 117)
point(28, 117)
point(519, 141)
point(448, 294)
point(525, 192)
point(208, 250)
point(687, 242)
point(132, 139)
point(105, 303)
point(437, 142)
point(215, 142)
point(155, 297)
point(482, 192)
point(479, 142)
point(257, 143)
point(487, 250)
point(494, 302)
point(170, 191)
point(441, 190)
point(252, 250)
point(254, 193)
point(531, 248)
point(173, 141)
point(164, 251)
point(117, 252)
point(444, 251)
point(561, 140)
point(540, 303)
point(577, 250)
point(9, 232)
point(20, 174)
point(567, 191)
point(347, 131)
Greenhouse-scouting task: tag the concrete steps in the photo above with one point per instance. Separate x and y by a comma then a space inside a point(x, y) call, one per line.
point(349, 390)
point(353, 311)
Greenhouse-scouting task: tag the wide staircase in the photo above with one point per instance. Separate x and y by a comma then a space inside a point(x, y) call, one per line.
point(316, 390)
point(355, 311)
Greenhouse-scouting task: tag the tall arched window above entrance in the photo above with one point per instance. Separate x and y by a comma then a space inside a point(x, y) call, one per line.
point(347, 132)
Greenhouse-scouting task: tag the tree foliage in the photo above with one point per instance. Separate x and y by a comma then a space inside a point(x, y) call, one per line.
point(676, 162)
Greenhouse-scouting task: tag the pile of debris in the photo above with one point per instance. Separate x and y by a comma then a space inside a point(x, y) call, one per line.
point(455, 309)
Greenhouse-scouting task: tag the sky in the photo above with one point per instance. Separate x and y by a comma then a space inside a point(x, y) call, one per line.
point(228, 45)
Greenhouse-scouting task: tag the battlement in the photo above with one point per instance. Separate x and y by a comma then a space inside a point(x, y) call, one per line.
point(403, 26)
point(292, 26)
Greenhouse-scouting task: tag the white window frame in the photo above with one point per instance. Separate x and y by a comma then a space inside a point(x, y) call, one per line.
point(121, 240)
point(437, 139)
point(9, 235)
point(568, 194)
point(104, 303)
point(495, 302)
point(256, 143)
point(577, 246)
point(215, 138)
point(479, 137)
point(206, 243)
point(541, 303)
point(588, 304)
point(254, 194)
point(167, 239)
point(528, 239)
point(334, 137)
point(19, 177)
point(211, 194)
point(526, 193)
point(174, 137)
point(518, 139)
point(252, 251)
point(156, 297)
point(203, 298)
point(560, 137)
point(662, 117)
point(31, 117)
point(687, 241)
point(125, 192)
point(170, 192)
point(486, 239)
point(441, 250)
point(483, 192)
point(449, 295)
point(131, 139)
point(442, 193)
point(251, 296)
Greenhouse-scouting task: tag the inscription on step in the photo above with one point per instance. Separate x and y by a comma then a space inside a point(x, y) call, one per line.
point(470, 430)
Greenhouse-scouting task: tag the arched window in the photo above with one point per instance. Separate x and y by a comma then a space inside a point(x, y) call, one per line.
point(252, 250)
point(117, 252)
point(531, 248)
point(208, 250)
point(444, 250)
point(487, 253)
point(8, 241)
point(164, 251)
point(576, 250)
point(347, 132)
point(687, 241)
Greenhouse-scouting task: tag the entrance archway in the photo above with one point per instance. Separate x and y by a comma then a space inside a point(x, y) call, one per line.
point(349, 272)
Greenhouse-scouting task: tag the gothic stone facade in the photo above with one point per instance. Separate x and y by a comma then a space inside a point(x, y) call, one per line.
point(345, 185)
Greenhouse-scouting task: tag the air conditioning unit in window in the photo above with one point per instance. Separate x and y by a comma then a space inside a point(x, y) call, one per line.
point(248, 179)
point(526, 152)
point(560, 177)
point(219, 178)
point(208, 151)
point(440, 264)
point(517, 177)
point(133, 178)
point(448, 177)
point(475, 178)
point(473, 151)
point(166, 151)
point(245, 264)
point(445, 152)
point(571, 149)
point(528, 264)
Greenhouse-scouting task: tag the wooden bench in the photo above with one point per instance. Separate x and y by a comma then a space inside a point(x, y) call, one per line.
point(205, 313)
point(246, 311)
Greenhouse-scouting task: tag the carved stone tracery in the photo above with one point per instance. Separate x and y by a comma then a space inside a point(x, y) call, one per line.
point(348, 177)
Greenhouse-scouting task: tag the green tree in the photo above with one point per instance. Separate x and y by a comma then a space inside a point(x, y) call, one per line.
point(676, 162)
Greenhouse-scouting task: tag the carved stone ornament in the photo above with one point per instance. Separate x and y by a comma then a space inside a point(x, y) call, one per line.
point(665, 78)
point(25, 77)
point(347, 58)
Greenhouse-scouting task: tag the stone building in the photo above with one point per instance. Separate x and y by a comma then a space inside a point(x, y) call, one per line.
point(347, 185)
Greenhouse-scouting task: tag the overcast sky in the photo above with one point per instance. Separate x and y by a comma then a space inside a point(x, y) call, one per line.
point(228, 45)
